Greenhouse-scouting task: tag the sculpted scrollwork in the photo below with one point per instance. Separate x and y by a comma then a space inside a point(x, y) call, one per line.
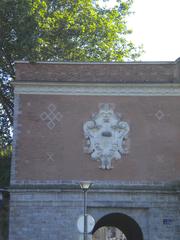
point(106, 136)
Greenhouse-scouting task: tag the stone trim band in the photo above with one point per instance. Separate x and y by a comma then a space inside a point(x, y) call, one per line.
point(98, 89)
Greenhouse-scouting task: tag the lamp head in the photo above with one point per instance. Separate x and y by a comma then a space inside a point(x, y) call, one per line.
point(85, 185)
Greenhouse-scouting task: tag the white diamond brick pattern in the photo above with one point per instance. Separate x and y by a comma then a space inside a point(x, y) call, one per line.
point(159, 115)
point(51, 116)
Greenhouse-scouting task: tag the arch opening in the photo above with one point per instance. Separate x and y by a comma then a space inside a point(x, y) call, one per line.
point(108, 233)
point(128, 226)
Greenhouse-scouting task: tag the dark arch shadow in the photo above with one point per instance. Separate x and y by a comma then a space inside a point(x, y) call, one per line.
point(126, 224)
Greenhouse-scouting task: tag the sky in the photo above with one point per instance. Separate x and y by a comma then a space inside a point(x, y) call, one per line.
point(156, 25)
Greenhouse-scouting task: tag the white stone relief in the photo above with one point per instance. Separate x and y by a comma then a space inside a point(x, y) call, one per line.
point(106, 136)
point(51, 116)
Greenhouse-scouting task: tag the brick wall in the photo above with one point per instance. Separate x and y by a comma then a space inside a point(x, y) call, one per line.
point(49, 161)
point(150, 72)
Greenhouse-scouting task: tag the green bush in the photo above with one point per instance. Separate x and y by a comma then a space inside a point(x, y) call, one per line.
point(5, 161)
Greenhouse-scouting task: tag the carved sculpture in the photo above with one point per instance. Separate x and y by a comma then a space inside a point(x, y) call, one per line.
point(106, 136)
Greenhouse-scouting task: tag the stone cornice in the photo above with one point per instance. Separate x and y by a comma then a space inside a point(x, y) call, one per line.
point(97, 89)
point(97, 185)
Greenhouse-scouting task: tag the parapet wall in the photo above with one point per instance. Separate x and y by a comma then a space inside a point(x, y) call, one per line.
point(133, 72)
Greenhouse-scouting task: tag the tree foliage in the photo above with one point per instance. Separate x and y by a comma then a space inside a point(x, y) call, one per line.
point(58, 30)
point(5, 157)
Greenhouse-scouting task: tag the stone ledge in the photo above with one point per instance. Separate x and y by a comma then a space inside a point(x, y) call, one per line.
point(166, 186)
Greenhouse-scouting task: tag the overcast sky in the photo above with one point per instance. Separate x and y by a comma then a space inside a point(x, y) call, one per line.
point(156, 25)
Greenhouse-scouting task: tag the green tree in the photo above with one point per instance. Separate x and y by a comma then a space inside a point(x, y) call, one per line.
point(58, 30)
point(5, 157)
point(17, 41)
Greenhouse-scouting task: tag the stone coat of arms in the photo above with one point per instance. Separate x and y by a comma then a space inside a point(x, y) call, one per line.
point(106, 136)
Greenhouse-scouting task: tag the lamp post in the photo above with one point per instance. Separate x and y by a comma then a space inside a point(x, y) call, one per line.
point(85, 186)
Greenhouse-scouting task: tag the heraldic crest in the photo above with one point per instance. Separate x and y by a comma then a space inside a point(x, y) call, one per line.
point(106, 136)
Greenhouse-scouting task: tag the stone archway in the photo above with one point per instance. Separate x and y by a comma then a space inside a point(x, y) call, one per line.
point(126, 224)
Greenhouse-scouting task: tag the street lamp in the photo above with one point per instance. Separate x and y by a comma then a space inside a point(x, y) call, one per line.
point(85, 186)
